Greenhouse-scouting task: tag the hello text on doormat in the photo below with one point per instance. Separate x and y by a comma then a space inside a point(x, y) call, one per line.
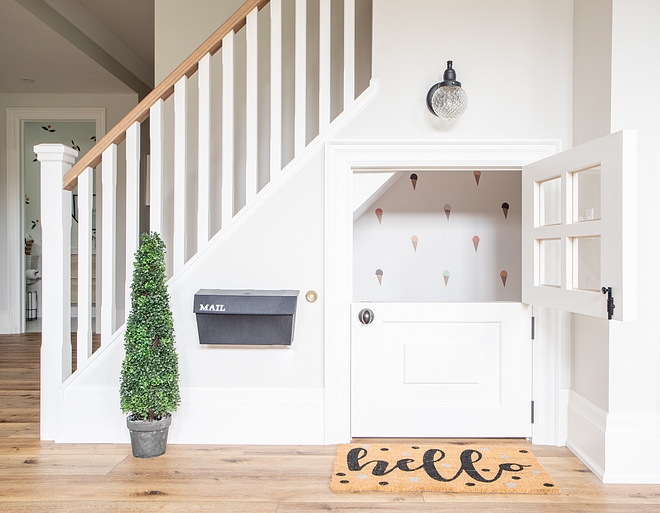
point(443, 467)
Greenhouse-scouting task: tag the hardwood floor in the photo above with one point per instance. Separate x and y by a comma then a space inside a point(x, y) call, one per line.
point(47, 477)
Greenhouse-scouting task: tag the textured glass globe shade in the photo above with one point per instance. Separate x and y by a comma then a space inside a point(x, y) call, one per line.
point(449, 102)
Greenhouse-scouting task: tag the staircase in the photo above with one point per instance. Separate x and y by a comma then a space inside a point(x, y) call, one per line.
point(205, 152)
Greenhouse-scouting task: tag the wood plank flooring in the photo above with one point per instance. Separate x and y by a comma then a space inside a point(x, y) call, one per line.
point(40, 476)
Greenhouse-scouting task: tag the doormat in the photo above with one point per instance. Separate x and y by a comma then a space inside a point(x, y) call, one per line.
point(439, 468)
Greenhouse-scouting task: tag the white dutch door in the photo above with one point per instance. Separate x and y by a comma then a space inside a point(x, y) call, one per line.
point(442, 370)
point(465, 369)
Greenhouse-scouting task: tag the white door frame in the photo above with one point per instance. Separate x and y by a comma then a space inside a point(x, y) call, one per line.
point(344, 158)
point(16, 118)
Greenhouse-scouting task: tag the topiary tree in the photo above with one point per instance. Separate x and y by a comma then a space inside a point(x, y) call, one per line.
point(149, 387)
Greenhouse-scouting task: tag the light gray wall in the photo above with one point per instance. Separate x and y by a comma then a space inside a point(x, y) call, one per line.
point(590, 359)
point(592, 69)
point(182, 26)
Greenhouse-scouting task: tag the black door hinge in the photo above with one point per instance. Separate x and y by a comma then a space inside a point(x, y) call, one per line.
point(532, 412)
point(533, 331)
point(610, 302)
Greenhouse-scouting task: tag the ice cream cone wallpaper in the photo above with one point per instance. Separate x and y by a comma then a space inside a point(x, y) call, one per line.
point(441, 236)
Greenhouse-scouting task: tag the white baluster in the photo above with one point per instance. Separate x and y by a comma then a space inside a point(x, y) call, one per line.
point(132, 206)
point(85, 206)
point(251, 106)
point(56, 160)
point(325, 62)
point(204, 152)
point(349, 53)
point(157, 135)
point(300, 77)
point(227, 129)
point(108, 233)
point(180, 170)
point(275, 87)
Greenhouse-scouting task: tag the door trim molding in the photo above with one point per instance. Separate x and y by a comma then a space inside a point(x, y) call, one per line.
point(342, 159)
point(16, 118)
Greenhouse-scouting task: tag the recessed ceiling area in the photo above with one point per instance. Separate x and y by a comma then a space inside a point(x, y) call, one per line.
point(31, 49)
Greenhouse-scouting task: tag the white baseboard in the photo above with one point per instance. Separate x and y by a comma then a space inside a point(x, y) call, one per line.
point(5, 328)
point(264, 416)
point(633, 449)
point(617, 448)
point(562, 417)
point(586, 433)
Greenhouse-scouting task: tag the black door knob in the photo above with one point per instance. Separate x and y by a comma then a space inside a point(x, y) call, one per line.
point(366, 316)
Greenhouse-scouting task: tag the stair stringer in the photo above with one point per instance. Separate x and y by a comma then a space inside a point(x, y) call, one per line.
point(90, 394)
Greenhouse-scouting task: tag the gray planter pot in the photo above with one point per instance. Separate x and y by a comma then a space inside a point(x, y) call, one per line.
point(148, 439)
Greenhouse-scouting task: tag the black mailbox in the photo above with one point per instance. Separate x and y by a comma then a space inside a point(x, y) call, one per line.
point(246, 317)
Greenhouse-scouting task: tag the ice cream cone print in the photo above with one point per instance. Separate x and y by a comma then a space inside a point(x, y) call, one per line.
point(379, 275)
point(505, 209)
point(413, 179)
point(477, 176)
point(445, 276)
point(379, 215)
point(414, 239)
point(504, 276)
point(475, 243)
point(447, 210)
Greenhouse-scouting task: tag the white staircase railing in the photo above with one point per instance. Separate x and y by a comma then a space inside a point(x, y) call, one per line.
point(217, 130)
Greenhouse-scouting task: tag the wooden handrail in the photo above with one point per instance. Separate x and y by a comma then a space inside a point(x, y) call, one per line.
point(162, 91)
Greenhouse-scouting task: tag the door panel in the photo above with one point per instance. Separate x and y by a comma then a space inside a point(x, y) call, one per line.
point(442, 370)
point(580, 228)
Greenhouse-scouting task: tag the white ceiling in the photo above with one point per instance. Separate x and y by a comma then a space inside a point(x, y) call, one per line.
point(29, 48)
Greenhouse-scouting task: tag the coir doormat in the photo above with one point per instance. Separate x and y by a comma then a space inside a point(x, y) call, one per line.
point(440, 467)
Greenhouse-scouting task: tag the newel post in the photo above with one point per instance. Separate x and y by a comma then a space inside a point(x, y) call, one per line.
point(56, 160)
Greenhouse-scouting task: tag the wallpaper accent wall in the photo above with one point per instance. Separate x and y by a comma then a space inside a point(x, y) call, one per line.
point(441, 236)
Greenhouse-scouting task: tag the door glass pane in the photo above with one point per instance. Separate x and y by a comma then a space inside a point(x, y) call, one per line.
point(586, 263)
point(550, 262)
point(550, 202)
point(586, 195)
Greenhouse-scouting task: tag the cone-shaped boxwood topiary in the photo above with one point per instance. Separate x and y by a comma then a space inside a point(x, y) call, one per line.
point(149, 376)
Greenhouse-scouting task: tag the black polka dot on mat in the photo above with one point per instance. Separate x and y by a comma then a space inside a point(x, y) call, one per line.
point(469, 484)
point(524, 452)
point(384, 483)
point(344, 481)
point(485, 470)
point(415, 447)
point(517, 478)
point(340, 474)
point(384, 449)
point(548, 485)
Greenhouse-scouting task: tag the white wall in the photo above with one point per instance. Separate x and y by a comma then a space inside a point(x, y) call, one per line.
point(116, 105)
point(615, 422)
point(282, 246)
point(513, 58)
point(234, 394)
point(635, 347)
point(444, 243)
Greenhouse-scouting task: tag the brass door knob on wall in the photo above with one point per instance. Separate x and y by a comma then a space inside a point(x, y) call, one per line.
point(366, 316)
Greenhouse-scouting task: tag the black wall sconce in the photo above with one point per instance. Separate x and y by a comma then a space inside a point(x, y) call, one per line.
point(447, 99)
